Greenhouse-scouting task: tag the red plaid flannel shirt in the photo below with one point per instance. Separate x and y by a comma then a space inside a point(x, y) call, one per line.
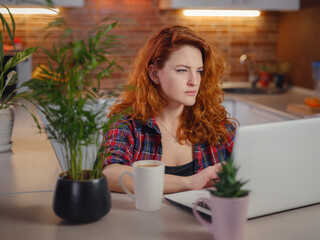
point(136, 141)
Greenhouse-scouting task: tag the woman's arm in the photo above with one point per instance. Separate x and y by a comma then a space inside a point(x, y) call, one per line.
point(172, 183)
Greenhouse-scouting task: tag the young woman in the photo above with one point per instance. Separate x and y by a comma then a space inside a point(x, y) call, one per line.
point(177, 116)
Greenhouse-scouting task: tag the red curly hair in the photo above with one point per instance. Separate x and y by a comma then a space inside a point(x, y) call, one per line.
point(204, 121)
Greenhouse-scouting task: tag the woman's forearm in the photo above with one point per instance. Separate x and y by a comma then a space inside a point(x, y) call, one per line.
point(172, 183)
point(113, 171)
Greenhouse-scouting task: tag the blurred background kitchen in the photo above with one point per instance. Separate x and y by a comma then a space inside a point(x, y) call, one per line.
point(286, 31)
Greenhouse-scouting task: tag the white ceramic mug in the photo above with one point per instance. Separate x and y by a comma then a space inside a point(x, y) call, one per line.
point(148, 176)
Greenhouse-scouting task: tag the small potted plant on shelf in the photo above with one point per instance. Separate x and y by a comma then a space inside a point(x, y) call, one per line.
point(266, 74)
point(66, 92)
point(8, 78)
point(273, 73)
point(228, 203)
point(281, 70)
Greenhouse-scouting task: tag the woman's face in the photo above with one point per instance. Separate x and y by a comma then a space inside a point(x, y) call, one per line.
point(180, 76)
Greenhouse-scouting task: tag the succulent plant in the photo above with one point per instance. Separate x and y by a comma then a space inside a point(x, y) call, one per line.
point(228, 186)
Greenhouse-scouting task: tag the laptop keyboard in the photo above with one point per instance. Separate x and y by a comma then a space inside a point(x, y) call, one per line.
point(203, 204)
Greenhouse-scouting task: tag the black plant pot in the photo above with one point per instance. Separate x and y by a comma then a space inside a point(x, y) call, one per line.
point(81, 201)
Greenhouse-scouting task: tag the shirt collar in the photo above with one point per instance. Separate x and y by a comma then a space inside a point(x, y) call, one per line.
point(151, 123)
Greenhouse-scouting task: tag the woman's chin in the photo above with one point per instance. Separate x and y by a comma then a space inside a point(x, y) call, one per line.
point(189, 103)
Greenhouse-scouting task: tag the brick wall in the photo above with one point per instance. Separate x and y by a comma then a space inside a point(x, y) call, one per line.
point(140, 18)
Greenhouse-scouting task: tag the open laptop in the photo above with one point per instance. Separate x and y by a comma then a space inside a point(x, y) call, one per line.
point(282, 163)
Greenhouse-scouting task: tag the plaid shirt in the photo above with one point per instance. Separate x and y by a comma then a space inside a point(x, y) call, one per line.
point(134, 141)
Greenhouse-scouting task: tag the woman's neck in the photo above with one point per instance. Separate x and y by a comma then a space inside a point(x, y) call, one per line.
point(170, 115)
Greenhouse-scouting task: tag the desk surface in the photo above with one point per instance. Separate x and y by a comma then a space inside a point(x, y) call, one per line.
point(27, 179)
point(30, 216)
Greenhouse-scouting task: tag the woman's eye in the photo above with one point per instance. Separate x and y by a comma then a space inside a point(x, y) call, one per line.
point(200, 71)
point(182, 70)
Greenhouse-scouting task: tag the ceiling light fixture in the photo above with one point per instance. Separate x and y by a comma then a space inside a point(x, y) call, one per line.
point(222, 13)
point(29, 11)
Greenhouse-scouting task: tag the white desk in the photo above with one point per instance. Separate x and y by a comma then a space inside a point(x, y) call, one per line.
point(30, 216)
point(27, 179)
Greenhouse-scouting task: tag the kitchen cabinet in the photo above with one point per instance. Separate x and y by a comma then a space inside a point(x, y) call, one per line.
point(58, 3)
point(24, 70)
point(276, 5)
point(9, 2)
point(270, 5)
point(248, 114)
point(257, 116)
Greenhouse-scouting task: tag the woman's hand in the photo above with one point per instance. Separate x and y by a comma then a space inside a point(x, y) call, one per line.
point(204, 178)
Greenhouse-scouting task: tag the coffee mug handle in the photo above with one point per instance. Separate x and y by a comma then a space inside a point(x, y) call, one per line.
point(204, 222)
point(124, 187)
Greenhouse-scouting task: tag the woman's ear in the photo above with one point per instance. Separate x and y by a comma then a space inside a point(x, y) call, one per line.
point(153, 74)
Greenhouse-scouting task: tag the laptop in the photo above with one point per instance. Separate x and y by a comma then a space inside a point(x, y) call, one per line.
point(281, 160)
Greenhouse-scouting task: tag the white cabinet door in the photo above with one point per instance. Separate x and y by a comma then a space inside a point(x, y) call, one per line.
point(237, 110)
point(9, 2)
point(58, 3)
point(176, 4)
point(280, 5)
point(24, 70)
point(248, 114)
point(229, 106)
point(242, 112)
point(257, 116)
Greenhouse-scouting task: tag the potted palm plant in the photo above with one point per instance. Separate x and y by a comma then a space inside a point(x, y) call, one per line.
point(9, 77)
point(228, 203)
point(66, 92)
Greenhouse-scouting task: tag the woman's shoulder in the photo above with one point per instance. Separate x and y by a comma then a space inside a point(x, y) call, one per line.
point(121, 121)
point(230, 126)
point(126, 121)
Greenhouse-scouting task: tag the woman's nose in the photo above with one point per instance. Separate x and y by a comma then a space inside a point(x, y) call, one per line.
point(193, 79)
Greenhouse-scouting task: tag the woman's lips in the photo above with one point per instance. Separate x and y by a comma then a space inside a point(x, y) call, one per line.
point(191, 93)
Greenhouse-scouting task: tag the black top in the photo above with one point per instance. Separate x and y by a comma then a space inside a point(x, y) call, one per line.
point(183, 170)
